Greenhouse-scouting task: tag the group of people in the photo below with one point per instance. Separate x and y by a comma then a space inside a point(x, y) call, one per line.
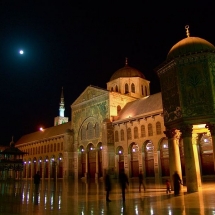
point(123, 180)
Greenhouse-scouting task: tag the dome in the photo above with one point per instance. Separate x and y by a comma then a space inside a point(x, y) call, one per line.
point(190, 45)
point(127, 71)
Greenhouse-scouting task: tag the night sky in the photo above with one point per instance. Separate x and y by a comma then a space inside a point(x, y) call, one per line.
point(80, 44)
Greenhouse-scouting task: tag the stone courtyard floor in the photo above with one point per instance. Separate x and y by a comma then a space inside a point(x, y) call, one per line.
point(68, 197)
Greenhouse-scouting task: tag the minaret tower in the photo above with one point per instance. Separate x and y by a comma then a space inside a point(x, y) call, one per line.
point(61, 119)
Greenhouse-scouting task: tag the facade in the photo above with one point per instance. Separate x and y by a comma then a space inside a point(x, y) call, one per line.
point(124, 126)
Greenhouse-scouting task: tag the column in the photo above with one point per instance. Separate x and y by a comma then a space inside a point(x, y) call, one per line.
point(173, 136)
point(211, 128)
point(86, 173)
point(189, 158)
point(97, 164)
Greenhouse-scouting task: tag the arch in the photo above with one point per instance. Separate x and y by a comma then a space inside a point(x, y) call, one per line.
point(60, 166)
point(126, 88)
point(46, 167)
point(149, 158)
point(164, 157)
point(134, 161)
point(132, 88)
point(34, 166)
point(120, 157)
point(82, 159)
point(91, 150)
point(99, 149)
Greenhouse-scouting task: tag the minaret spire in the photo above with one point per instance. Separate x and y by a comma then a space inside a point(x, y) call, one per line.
point(62, 108)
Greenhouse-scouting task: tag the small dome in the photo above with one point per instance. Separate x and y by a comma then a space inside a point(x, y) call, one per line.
point(127, 71)
point(190, 45)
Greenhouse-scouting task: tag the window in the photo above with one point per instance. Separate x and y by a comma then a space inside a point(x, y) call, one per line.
point(97, 130)
point(116, 88)
point(126, 88)
point(55, 147)
point(132, 88)
point(143, 131)
point(158, 127)
point(129, 134)
point(150, 131)
point(135, 133)
point(44, 149)
point(122, 135)
point(118, 109)
point(51, 147)
point(83, 133)
point(116, 136)
point(90, 131)
point(41, 149)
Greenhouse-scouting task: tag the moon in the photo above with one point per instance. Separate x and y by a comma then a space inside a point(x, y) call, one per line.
point(21, 52)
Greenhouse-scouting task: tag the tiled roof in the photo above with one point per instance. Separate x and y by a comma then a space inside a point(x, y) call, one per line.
point(46, 133)
point(142, 106)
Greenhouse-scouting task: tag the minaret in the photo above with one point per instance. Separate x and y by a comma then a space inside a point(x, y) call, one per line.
point(61, 108)
point(61, 119)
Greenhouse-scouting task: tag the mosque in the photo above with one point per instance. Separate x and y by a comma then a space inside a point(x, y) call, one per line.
point(125, 127)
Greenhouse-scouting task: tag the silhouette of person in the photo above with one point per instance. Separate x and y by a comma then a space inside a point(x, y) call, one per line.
point(37, 181)
point(177, 183)
point(141, 182)
point(123, 180)
point(107, 186)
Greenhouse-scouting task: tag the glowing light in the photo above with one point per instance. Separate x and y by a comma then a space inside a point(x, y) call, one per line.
point(21, 52)
point(120, 152)
point(41, 129)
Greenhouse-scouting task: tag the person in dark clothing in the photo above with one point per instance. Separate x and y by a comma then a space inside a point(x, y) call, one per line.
point(37, 181)
point(177, 183)
point(141, 182)
point(107, 186)
point(123, 180)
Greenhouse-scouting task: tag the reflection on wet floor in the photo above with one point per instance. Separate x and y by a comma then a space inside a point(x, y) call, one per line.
point(69, 197)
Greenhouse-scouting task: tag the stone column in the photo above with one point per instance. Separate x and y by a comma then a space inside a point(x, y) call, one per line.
point(173, 136)
point(189, 158)
point(97, 164)
point(211, 128)
point(86, 173)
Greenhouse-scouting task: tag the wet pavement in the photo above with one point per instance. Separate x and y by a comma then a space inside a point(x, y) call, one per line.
point(68, 197)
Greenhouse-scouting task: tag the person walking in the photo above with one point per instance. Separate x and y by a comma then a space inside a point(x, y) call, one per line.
point(37, 181)
point(141, 182)
point(123, 180)
point(107, 186)
point(168, 186)
point(177, 183)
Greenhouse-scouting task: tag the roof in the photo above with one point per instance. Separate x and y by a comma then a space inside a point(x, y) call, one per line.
point(142, 106)
point(12, 151)
point(46, 133)
point(127, 71)
point(190, 45)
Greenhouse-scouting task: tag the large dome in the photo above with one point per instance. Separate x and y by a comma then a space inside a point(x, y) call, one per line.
point(190, 45)
point(127, 71)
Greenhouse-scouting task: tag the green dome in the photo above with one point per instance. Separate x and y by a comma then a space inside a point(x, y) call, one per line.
point(190, 45)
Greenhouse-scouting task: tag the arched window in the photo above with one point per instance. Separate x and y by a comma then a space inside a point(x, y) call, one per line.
point(150, 130)
point(116, 136)
point(126, 88)
point(143, 131)
point(158, 127)
point(132, 88)
point(116, 88)
point(97, 130)
point(122, 135)
point(118, 109)
point(129, 137)
point(55, 147)
point(135, 132)
point(83, 133)
point(90, 131)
